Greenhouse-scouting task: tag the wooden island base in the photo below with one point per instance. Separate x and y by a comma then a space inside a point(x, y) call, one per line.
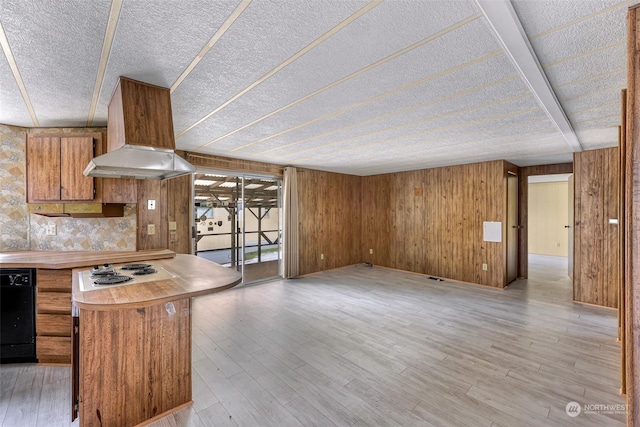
point(132, 348)
point(135, 363)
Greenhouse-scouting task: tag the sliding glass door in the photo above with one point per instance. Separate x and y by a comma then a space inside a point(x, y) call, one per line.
point(238, 223)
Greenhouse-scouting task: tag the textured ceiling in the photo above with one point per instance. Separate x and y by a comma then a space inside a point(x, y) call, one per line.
point(341, 85)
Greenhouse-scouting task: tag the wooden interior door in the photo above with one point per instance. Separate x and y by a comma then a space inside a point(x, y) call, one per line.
point(596, 237)
point(569, 227)
point(512, 228)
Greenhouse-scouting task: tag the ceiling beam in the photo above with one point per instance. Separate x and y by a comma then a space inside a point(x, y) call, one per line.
point(4, 43)
point(214, 39)
point(507, 27)
point(110, 32)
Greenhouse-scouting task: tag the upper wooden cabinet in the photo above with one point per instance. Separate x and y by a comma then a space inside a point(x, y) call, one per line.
point(54, 172)
point(118, 190)
point(54, 168)
point(140, 114)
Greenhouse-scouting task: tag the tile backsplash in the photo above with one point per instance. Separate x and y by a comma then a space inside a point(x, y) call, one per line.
point(20, 230)
point(14, 219)
point(85, 234)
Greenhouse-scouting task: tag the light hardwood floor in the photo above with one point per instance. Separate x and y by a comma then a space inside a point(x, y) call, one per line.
point(363, 346)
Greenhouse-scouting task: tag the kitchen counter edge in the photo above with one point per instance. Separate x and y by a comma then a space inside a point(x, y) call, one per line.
point(195, 277)
point(60, 260)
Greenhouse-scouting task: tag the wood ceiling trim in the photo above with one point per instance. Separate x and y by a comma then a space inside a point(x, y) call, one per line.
point(584, 18)
point(506, 148)
point(291, 59)
point(349, 77)
point(590, 94)
point(385, 116)
point(615, 106)
point(508, 30)
point(4, 42)
point(583, 54)
point(425, 120)
point(413, 164)
point(587, 121)
point(203, 52)
point(596, 76)
point(110, 32)
point(342, 150)
point(382, 116)
point(511, 139)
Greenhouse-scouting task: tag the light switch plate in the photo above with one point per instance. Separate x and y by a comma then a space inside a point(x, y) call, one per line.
point(151, 205)
point(173, 225)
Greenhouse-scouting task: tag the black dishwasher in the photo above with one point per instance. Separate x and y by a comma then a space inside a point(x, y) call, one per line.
point(17, 315)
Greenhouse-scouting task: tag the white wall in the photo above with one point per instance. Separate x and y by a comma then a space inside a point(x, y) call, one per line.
point(548, 214)
point(210, 226)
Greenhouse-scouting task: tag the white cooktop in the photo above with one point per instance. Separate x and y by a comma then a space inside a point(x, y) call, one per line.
point(88, 284)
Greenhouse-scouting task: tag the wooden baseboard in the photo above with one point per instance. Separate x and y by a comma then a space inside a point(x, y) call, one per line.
point(443, 278)
point(594, 305)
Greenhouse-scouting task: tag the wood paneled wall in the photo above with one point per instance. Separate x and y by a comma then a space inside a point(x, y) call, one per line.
point(234, 165)
point(631, 217)
point(179, 210)
point(596, 259)
point(173, 203)
point(523, 196)
point(377, 215)
point(329, 220)
point(431, 221)
point(151, 190)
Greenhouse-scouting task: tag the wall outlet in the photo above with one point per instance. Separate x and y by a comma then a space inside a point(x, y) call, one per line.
point(51, 230)
point(151, 205)
point(151, 229)
point(321, 256)
point(484, 267)
point(370, 251)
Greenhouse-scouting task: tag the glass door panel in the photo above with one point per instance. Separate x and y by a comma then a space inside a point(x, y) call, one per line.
point(238, 223)
point(261, 225)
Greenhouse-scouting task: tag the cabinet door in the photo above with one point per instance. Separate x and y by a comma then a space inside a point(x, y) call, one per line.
point(43, 169)
point(75, 154)
point(119, 190)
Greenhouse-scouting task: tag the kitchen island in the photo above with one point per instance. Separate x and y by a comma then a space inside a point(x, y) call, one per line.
point(133, 358)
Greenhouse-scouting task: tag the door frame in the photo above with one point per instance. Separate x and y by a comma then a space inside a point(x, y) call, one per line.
point(513, 229)
point(238, 247)
point(523, 207)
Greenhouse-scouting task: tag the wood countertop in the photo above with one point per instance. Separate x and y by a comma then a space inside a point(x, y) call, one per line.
point(59, 260)
point(195, 276)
